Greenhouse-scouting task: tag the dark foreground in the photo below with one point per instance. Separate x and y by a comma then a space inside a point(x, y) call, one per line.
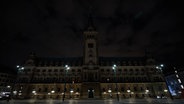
point(92, 101)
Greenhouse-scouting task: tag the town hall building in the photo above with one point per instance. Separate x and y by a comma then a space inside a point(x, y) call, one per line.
point(89, 76)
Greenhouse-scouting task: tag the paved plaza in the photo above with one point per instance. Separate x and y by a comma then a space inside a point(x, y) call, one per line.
point(91, 101)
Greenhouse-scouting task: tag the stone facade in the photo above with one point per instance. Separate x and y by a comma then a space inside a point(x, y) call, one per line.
point(89, 76)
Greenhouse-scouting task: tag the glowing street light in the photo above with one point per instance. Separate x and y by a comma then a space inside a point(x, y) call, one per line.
point(66, 72)
point(8, 86)
point(33, 91)
point(15, 92)
point(18, 66)
point(165, 90)
point(71, 91)
point(128, 91)
point(161, 65)
point(52, 91)
point(109, 90)
point(114, 68)
point(147, 91)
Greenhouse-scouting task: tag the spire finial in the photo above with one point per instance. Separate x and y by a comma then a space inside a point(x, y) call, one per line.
point(148, 53)
point(90, 19)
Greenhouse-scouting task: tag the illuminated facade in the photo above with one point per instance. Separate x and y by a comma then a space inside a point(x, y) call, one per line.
point(89, 76)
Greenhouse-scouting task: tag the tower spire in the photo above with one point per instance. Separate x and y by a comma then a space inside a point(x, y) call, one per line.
point(90, 26)
point(90, 42)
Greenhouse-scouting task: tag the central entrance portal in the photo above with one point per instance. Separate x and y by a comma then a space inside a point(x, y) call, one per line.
point(90, 90)
point(91, 93)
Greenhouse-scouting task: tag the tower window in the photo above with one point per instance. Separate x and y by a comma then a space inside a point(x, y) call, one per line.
point(90, 55)
point(90, 45)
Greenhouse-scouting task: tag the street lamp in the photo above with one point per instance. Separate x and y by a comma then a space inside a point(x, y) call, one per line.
point(34, 92)
point(66, 71)
point(160, 67)
point(52, 91)
point(20, 68)
point(114, 68)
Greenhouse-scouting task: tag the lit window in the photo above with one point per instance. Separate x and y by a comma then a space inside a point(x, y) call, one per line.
point(179, 80)
point(182, 87)
point(171, 83)
point(90, 45)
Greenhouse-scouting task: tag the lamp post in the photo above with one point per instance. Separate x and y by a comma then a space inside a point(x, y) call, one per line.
point(8, 92)
point(114, 68)
point(66, 71)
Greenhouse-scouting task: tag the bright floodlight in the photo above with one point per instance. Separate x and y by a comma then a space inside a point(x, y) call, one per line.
point(109, 91)
point(14, 92)
point(18, 66)
point(162, 65)
point(71, 91)
point(67, 67)
point(52, 91)
point(114, 65)
point(147, 91)
point(33, 91)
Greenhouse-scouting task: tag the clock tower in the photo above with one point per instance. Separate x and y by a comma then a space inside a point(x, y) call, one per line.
point(90, 44)
point(90, 70)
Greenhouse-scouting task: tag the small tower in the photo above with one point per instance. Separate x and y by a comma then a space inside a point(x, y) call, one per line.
point(90, 43)
point(149, 58)
point(31, 59)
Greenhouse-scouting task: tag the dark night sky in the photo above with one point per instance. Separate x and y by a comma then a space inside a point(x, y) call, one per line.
point(126, 28)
